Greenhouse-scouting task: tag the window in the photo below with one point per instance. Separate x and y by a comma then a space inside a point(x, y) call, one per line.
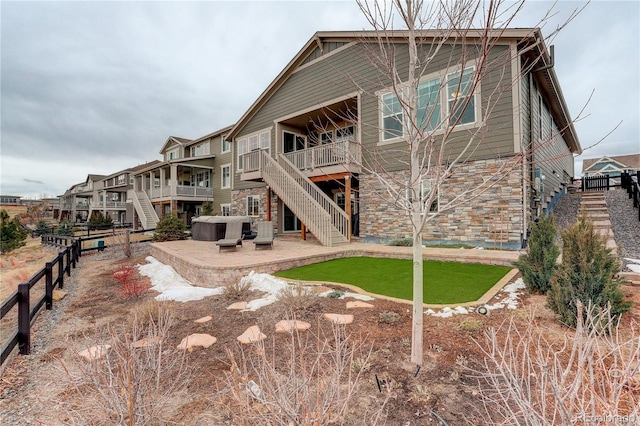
point(253, 205)
point(261, 140)
point(225, 209)
point(226, 176)
point(201, 179)
point(460, 97)
point(226, 145)
point(344, 134)
point(425, 189)
point(173, 154)
point(326, 137)
point(428, 114)
point(121, 179)
point(391, 117)
point(200, 149)
point(292, 142)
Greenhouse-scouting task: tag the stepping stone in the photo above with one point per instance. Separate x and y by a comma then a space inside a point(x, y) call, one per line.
point(251, 335)
point(58, 295)
point(238, 306)
point(339, 319)
point(358, 304)
point(145, 342)
point(94, 352)
point(287, 326)
point(197, 339)
point(203, 319)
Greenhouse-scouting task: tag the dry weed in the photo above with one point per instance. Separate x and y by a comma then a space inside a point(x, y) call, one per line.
point(237, 291)
point(295, 299)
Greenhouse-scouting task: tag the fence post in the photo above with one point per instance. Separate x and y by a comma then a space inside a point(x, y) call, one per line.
point(60, 261)
point(67, 254)
point(607, 182)
point(49, 284)
point(24, 319)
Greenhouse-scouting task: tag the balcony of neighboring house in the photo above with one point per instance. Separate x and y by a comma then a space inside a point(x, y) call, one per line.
point(110, 201)
point(177, 182)
point(319, 142)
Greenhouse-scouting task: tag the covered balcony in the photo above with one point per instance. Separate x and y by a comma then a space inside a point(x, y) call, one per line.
point(177, 181)
point(322, 141)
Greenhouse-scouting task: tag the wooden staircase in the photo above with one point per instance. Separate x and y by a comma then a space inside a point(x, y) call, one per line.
point(145, 210)
point(329, 224)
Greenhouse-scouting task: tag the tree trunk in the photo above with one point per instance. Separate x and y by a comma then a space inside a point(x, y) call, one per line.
point(418, 315)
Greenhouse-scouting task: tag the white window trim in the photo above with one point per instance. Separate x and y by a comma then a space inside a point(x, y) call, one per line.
point(253, 197)
point(423, 184)
point(171, 151)
point(476, 97)
point(444, 103)
point(228, 143)
point(222, 167)
point(246, 138)
point(222, 207)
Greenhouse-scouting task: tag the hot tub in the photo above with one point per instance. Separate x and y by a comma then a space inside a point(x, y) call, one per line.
point(212, 228)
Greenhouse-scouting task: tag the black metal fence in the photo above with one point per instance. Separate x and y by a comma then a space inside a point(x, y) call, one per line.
point(632, 187)
point(598, 183)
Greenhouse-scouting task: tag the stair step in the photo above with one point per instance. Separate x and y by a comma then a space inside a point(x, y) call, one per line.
point(611, 244)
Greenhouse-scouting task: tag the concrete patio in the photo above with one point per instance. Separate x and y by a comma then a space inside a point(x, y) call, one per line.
point(202, 264)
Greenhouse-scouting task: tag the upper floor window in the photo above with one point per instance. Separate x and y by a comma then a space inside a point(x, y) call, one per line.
point(200, 149)
point(253, 142)
point(173, 154)
point(226, 176)
point(461, 97)
point(428, 106)
point(201, 179)
point(226, 145)
point(122, 179)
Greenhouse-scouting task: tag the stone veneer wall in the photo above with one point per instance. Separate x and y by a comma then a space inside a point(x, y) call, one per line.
point(239, 204)
point(493, 219)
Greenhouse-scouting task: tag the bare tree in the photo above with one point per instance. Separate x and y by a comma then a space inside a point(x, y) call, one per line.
point(432, 148)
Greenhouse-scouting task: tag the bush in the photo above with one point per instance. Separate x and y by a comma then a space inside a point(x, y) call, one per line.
point(42, 228)
point(207, 208)
point(132, 283)
point(538, 265)
point(402, 242)
point(12, 234)
point(587, 274)
point(66, 228)
point(100, 220)
point(170, 228)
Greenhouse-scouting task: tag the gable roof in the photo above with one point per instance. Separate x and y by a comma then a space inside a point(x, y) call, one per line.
point(218, 132)
point(631, 161)
point(528, 38)
point(174, 140)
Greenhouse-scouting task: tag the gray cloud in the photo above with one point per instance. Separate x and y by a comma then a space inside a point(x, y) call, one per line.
point(96, 87)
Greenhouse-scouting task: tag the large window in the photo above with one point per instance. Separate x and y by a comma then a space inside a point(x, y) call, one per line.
point(225, 209)
point(460, 97)
point(292, 142)
point(201, 179)
point(226, 176)
point(253, 205)
point(260, 140)
point(200, 149)
point(428, 114)
point(173, 154)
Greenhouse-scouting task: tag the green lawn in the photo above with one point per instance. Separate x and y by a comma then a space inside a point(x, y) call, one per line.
point(444, 282)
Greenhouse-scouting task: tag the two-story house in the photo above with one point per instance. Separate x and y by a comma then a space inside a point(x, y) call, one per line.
point(299, 150)
point(76, 202)
point(191, 173)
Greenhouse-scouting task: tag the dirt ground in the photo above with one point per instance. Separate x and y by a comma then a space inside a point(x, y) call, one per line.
point(39, 388)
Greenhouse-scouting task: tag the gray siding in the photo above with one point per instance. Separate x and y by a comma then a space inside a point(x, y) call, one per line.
point(331, 78)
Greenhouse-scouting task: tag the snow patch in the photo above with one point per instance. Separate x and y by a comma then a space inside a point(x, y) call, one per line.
point(510, 301)
point(346, 294)
point(171, 286)
point(628, 259)
point(634, 268)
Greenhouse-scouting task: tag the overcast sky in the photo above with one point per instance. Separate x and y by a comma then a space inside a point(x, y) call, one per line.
point(97, 87)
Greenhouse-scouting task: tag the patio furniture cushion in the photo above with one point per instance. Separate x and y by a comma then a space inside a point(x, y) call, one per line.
point(232, 236)
point(265, 235)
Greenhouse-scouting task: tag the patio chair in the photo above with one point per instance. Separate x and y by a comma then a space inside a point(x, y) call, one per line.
point(265, 235)
point(232, 236)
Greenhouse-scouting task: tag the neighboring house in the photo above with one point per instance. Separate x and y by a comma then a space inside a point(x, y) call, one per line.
point(10, 199)
point(76, 202)
point(297, 150)
point(192, 172)
point(611, 165)
point(115, 197)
